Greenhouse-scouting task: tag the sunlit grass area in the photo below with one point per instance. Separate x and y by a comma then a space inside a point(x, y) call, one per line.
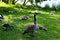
point(50, 22)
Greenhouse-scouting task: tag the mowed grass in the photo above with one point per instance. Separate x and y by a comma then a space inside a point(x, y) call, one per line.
point(50, 22)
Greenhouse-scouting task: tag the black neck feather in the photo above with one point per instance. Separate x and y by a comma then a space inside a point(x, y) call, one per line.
point(35, 19)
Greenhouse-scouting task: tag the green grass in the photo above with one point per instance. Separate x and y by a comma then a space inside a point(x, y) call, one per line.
point(51, 22)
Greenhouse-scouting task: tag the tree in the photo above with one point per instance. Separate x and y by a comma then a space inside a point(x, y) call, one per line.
point(4, 1)
point(37, 1)
point(0, 0)
point(13, 1)
point(24, 2)
point(7, 1)
point(31, 1)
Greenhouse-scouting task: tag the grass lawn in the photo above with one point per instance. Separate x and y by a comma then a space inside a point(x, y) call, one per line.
point(51, 22)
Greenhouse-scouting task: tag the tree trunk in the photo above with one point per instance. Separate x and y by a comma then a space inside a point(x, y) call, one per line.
point(4, 1)
point(9, 2)
point(13, 1)
point(0, 0)
point(24, 2)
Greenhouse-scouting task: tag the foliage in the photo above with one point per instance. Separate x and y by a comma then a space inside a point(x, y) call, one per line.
point(9, 1)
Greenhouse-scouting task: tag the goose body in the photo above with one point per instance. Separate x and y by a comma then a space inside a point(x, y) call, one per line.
point(31, 27)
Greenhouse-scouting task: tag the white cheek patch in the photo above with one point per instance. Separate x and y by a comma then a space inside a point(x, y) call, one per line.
point(0, 15)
